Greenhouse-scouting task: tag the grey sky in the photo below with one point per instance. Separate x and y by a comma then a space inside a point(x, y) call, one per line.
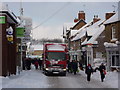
point(53, 27)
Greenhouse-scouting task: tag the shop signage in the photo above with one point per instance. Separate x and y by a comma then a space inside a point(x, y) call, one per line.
point(10, 38)
point(9, 32)
point(2, 19)
point(20, 32)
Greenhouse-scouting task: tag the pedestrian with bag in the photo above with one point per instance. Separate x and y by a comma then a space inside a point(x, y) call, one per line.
point(102, 70)
point(88, 71)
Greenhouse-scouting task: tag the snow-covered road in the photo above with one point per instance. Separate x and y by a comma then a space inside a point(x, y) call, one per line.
point(36, 79)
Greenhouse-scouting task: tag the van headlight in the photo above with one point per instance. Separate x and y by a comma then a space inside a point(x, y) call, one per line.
point(64, 69)
point(47, 69)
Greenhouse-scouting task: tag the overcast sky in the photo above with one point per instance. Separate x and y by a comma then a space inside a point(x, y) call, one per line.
point(53, 15)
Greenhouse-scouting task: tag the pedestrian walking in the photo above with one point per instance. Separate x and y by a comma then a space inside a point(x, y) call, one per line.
point(89, 71)
point(69, 67)
point(74, 66)
point(40, 61)
point(28, 63)
point(102, 70)
point(81, 66)
point(36, 64)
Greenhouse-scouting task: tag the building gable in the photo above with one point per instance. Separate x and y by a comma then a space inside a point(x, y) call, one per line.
point(79, 24)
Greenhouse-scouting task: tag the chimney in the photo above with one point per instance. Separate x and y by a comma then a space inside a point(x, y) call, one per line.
point(75, 20)
point(95, 19)
point(81, 15)
point(108, 15)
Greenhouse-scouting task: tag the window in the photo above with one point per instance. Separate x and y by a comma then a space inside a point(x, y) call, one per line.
point(56, 55)
point(113, 33)
point(115, 60)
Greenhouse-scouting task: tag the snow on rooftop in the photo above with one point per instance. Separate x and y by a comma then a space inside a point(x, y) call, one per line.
point(85, 41)
point(81, 32)
point(56, 47)
point(80, 35)
point(93, 28)
point(73, 32)
point(99, 30)
point(114, 18)
point(4, 7)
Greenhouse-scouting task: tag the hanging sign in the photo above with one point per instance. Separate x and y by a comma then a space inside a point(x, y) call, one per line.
point(10, 38)
point(20, 31)
point(9, 35)
point(2, 19)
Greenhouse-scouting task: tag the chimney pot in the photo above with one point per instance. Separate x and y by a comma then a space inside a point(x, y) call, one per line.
point(81, 15)
point(75, 20)
point(95, 19)
point(108, 15)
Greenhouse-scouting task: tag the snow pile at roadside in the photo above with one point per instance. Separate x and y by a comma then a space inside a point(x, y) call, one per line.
point(27, 79)
point(111, 78)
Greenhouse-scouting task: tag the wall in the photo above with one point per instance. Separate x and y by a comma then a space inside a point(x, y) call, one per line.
point(0, 49)
point(79, 25)
point(8, 50)
point(108, 31)
point(100, 47)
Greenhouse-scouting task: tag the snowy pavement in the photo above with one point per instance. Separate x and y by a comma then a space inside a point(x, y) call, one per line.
point(27, 79)
point(111, 78)
point(36, 79)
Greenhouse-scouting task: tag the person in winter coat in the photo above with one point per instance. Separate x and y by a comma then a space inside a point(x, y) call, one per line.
point(74, 66)
point(28, 63)
point(69, 66)
point(81, 66)
point(40, 63)
point(102, 69)
point(88, 71)
point(36, 64)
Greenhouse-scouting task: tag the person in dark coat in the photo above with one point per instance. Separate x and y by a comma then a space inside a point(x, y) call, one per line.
point(88, 71)
point(28, 63)
point(40, 63)
point(81, 66)
point(74, 66)
point(102, 68)
point(69, 66)
point(36, 64)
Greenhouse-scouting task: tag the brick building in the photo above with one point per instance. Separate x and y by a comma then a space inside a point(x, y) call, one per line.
point(112, 43)
point(8, 23)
